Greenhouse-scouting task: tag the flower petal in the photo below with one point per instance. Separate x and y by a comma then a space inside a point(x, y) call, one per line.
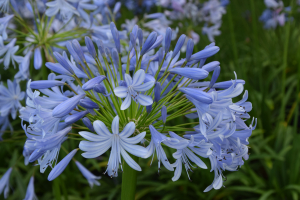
point(144, 87)
point(126, 103)
point(136, 150)
point(130, 161)
point(115, 125)
point(101, 129)
point(138, 77)
point(92, 146)
point(128, 79)
point(102, 149)
point(135, 139)
point(121, 91)
point(144, 100)
point(93, 137)
point(128, 130)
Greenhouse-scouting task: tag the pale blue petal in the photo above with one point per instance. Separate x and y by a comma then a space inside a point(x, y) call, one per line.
point(144, 87)
point(93, 137)
point(126, 103)
point(94, 154)
point(130, 161)
point(136, 150)
point(136, 139)
point(93, 146)
point(121, 91)
point(115, 125)
point(101, 129)
point(128, 130)
point(144, 100)
point(138, 77)
point(128, 79)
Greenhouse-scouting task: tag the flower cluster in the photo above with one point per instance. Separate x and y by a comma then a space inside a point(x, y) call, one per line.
point(121, 96)
point(49, 25)
point(10, 98)
point(275, 14)
point(209, 13)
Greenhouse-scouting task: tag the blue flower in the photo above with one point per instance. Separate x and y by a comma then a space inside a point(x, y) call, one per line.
point(91, 178)
point(155, 145)
point(43, 144)
point(4, 183)
point(61, 166)
point(67, 106)
point(10, 99)
point(118, 142)
point(134, 86)
point(4, 22)
point(183, 155)
point(66, 10)
point(4, 6)
point(9, 50)
point(30, 195)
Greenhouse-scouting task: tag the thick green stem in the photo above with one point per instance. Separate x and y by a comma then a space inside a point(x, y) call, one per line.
point(129, 181)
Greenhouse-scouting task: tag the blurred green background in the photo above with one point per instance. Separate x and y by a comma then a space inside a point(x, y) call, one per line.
point(269, 62)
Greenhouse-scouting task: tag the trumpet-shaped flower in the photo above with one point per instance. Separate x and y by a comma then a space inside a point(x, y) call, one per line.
point(155, 145)
point(4, 183)
point(30, 195)
point(134, 86)
point(91, 178)
point(189, 153)
point(10, 99)
point(66, 9)
point(3, 25)
point(118, 142)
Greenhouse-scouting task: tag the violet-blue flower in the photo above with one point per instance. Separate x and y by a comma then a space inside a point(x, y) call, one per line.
point(134, 86)
point(91, 178)
point(4, 183)
point(30, 194)
point(118, 142)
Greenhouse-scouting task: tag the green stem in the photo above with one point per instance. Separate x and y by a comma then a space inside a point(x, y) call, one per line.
point(129, 181)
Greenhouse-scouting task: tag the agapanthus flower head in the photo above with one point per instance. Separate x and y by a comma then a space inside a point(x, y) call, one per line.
point(97, 87)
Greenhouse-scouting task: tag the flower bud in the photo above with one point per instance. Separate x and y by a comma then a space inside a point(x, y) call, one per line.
point(149, 42)
point(67, 106)
point(189, 49)
point(116, 37)
point(88, 124)
point(91, 83)
point(56, 67)
point(90, 46)
point(88, 104)
point(164, 113)
point(179, 44)
point(44, 84)
point(192, 73)
point(61, 166)
point(75, 117)
point(214, 76)
point(63, 62)
point(168, 39)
